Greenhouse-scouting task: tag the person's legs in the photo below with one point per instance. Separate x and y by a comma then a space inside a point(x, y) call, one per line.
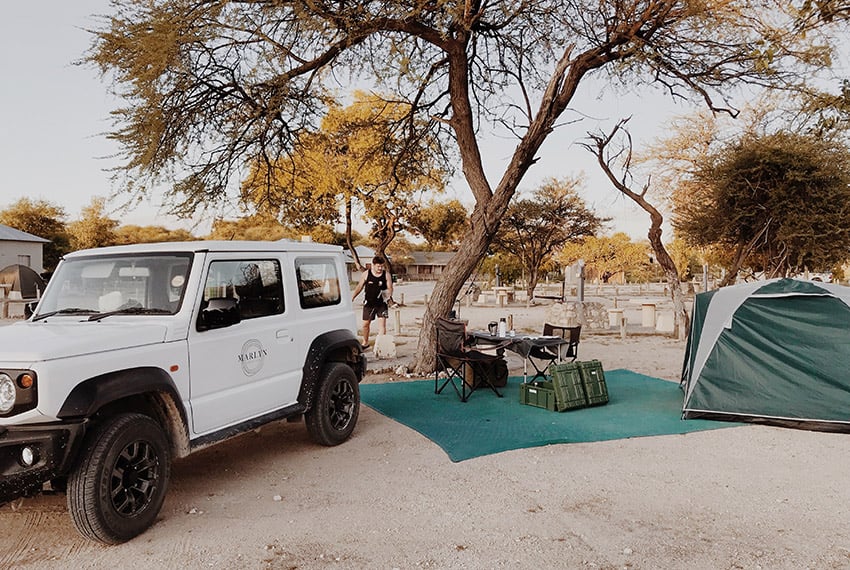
point(381, 313)
point(368, 316)
point(366, 328)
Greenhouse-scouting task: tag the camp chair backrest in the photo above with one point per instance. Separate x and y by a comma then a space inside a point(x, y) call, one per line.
point(570, 333)
point(451, 336)
point(573, 334)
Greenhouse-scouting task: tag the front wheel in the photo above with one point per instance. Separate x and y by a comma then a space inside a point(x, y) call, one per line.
point(117, 489)
point(334, 413)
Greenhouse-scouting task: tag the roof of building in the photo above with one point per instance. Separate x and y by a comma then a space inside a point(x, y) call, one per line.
point(431, 257)
point(365, 254)
point(11, 234)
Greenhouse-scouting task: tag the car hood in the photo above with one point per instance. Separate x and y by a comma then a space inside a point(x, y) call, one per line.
point(33, 342)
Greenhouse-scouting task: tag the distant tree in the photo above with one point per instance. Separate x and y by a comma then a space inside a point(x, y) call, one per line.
point(129, 234)
point(442, 224)
point(778, 201)
point(359, 159)
point(93, 229)
point(399, 251)
point(688, 259)
point(265, 227)
point(43, 219)
point(606, 256)
point(535, 227)
point(255, 227)
point(613, 153)
point(509, 268)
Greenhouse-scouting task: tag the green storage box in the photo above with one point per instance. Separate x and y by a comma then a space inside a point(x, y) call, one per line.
point(539, 394)
point(568, 385)
point(593, 378)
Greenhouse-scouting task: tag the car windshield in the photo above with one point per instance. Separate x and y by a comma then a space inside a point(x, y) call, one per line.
point(141, 284)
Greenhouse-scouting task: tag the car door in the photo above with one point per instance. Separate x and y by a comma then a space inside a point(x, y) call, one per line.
point(242, 371)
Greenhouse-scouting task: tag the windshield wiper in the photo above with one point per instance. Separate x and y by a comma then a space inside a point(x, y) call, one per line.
point(65, 311)
point(130, 311)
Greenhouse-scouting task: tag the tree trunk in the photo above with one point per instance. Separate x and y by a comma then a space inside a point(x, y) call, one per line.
point(357, 264)
point(472, 250)
point(682, 321)
point(491, 205)
point(533, 278)
point(656, 219)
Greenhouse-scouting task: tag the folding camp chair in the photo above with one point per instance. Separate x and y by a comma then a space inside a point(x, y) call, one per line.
point(549, 354)
point(465, 368)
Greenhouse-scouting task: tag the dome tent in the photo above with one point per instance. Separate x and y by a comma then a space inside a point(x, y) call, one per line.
point(773, 352)
point(23, 279)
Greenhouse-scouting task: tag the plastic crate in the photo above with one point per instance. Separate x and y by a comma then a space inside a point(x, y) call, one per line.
point(568, 385)
point(593, 378)
point(538, 394)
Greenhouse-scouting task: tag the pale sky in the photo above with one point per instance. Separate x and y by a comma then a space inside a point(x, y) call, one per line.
point(53, 114)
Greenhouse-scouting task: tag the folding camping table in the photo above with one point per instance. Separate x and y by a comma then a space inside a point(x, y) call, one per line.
point(520, 345)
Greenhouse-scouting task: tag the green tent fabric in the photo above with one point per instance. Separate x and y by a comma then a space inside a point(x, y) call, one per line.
point(775, 351)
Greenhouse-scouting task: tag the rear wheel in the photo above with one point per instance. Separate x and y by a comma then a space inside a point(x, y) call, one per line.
point(334, 413)
point(118, 488)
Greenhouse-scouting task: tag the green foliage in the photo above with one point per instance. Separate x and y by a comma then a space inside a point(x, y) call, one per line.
point(263, 227)
point(93, 229)
point(509, 267)
point(536, 226)
point(130, 234)
point(777, 200)
point(607, 256)
point(43, 219)
point(360, 161)
point(442, 224)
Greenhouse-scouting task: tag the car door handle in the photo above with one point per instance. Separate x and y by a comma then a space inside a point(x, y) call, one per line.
point(283, 334)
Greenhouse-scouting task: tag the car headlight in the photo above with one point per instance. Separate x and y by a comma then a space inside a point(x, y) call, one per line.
point(7, 393)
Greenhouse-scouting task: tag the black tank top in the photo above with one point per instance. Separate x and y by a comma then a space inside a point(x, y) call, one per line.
point(373, 288)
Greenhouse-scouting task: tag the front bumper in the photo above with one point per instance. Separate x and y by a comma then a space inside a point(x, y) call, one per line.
point(54, 446)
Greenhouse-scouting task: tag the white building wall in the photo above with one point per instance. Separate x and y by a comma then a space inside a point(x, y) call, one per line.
point(10, 252)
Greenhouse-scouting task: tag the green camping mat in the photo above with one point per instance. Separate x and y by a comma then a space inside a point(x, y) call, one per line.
point(638, 406)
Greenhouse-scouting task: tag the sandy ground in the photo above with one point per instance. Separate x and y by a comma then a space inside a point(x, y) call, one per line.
point(740, 498)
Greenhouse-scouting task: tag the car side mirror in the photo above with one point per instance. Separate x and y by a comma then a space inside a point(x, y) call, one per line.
point(220, 312)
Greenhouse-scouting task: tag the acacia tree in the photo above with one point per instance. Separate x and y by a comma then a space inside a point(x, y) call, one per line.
point(211, 86)
point(94, 228)
point(131, 233)
point(535, 227)
point(359, 159)
point(610, 155)
point(606, 256)
point(778, 201)
point(442, 224)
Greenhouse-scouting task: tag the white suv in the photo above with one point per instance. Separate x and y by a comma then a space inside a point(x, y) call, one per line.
point(139, 354)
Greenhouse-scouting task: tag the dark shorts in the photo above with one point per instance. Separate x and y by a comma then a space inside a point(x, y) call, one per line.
point(372, 312)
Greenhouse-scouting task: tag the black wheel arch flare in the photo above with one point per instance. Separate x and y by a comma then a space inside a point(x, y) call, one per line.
point(89, 396)
point(333, 346)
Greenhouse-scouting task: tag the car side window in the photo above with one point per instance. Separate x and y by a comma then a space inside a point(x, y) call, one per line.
point(256, 285)
point(318, 282)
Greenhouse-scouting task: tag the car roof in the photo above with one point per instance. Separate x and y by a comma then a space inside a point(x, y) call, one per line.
point(211, 246)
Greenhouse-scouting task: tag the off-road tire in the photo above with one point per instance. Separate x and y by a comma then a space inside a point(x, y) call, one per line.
point(334, 413)
point(117, 488)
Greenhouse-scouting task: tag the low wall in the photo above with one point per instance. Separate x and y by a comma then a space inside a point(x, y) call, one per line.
point(590, 315)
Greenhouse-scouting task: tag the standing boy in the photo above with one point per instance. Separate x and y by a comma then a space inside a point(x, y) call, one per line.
point(378, 289)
